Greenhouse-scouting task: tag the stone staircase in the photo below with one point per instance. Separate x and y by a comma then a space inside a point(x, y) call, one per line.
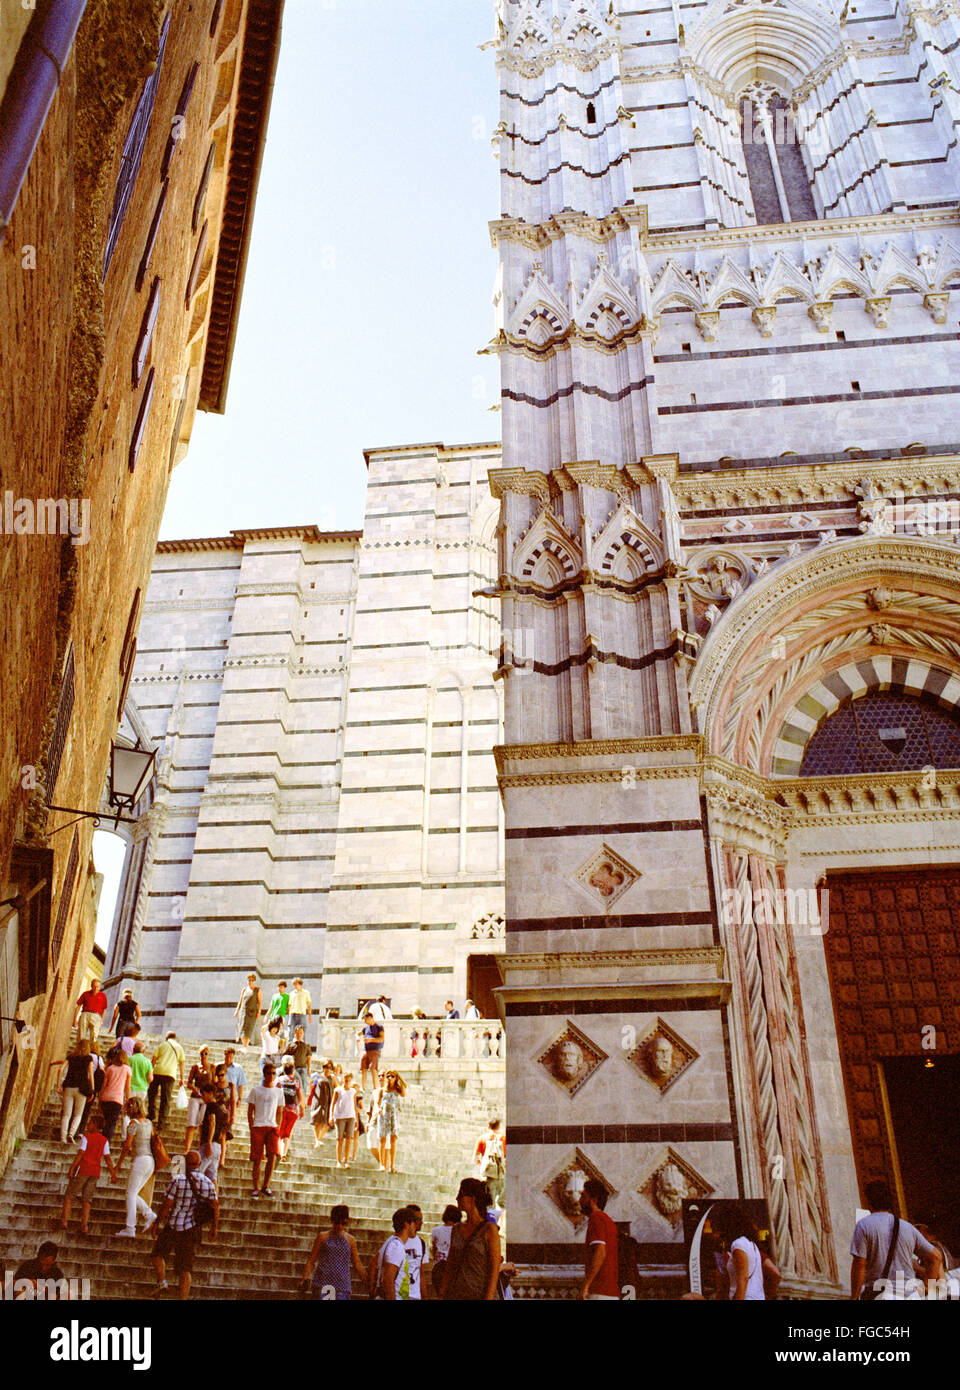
point(261, 1245)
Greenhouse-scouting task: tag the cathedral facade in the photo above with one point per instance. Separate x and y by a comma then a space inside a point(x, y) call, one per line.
point(326, 801)
point(730, 586)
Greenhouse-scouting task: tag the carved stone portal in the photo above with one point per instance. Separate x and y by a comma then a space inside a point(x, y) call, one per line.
point(571, 1059)
point(565, 1187)
point(668, 1182)
point(606, 876)
point(661, 1056)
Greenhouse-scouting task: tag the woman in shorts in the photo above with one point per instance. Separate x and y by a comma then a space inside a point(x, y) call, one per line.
point(345, 1118)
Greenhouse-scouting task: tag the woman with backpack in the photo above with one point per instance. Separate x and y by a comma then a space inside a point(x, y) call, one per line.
point(76, 1088)
point(475, 1257)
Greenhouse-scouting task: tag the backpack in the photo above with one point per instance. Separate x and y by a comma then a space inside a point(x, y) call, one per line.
point(204, 1209)
point(288, 1085)
point(628, 1274)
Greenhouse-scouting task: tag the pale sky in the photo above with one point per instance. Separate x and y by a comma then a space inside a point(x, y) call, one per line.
point(370, 279)
point(369, 285)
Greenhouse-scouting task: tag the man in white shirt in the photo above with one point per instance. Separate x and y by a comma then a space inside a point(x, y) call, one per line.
point(416, 1248)
point(379, 1008)
point(471, 1010)
point(264, 1104)
point(398, 1277)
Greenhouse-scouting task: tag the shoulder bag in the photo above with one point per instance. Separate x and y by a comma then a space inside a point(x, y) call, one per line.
point(868, 1295)
point(204, 1209)
point(161, 1159)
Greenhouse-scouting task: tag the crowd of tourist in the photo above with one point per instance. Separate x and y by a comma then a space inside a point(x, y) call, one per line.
point(104, 1089)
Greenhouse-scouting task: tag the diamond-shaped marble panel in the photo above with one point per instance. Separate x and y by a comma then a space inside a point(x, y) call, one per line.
point(661, 1055)
point(668, 1182)
point(606, 876)
point(566, 1185)
point(571, 1058)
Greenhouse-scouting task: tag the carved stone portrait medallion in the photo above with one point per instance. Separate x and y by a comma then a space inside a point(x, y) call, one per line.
point(662, 1055)
point(566, 1185)
point(571, 1058)
point(668, 1182)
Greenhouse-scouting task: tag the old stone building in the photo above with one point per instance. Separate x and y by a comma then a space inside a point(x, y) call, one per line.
point(731, 591)
point(326, 801)
point(130, 138)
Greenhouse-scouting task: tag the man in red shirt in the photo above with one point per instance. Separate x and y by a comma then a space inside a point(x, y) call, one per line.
point(600, 1280)
point(91, 1007)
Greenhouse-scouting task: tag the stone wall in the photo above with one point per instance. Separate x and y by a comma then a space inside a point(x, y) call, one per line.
point(71, 400)
point(326, 801)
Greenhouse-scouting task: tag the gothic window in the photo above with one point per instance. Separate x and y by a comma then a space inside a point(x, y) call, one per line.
point(591, 113)
point(883, 731)
point(778, 178)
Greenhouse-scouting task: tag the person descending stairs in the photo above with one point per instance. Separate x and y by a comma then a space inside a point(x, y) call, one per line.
point(261, 1246)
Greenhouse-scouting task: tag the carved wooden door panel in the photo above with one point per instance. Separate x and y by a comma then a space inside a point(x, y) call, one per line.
point(893, 956)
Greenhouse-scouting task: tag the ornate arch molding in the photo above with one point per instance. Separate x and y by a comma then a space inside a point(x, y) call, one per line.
point(909, 675)
point(885, 611)
point(776, 41)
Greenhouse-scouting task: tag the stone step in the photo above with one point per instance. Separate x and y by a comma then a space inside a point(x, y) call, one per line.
point(262, 1244)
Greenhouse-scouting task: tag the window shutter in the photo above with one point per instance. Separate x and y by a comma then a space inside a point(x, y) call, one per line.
point(201, 198)
point(181, 411)
point(129, 637)
point(194, 275)
point(125, 683)
point(133, 152)
point(143, 415)
point(147, 325)
point(66, 896)
point(179, 120)
point(151, 237)
point(61, 724)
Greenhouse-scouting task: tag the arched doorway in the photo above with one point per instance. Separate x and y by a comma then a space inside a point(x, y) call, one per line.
point(893, 957)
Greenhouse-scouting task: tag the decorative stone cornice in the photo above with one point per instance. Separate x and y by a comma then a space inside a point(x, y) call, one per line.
point(877, 798)
point(712, 956)
point(590, 748)
point(831, 229)
point(537, 235)
point(823, 482)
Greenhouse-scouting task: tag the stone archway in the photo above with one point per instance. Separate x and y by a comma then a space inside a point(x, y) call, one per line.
point(875, 614)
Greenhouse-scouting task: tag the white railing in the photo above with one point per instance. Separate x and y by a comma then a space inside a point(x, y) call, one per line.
point(425, 1041)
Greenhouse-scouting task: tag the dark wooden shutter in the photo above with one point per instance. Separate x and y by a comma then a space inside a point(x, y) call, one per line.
point(61, 724)
point(32, 871)
point(140, 425)
point(147, 325)
point(179, 125)
point(133, 148)
point(66, 897)
point(129, 637)
point(201, 198)
point(151, 237)
point(198, 255)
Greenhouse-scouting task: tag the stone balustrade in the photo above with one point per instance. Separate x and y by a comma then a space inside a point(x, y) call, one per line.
point(435, 1043)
